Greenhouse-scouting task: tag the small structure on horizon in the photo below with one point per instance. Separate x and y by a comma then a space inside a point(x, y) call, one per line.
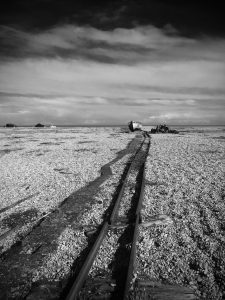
point(134, 126)
point(39, 125)
point(10, 125)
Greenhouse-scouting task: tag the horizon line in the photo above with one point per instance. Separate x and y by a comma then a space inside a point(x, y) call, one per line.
point(105, 125)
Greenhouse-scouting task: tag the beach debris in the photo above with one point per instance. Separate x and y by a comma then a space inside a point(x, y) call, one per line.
point(163, 128)
point(90, 231)
point(158, 220)
point(134, 126)
point(158, 290)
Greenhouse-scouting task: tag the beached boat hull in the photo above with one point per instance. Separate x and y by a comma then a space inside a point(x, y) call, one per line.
point(133, 126)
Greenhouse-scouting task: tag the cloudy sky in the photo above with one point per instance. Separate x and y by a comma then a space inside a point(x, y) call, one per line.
point(107, 62)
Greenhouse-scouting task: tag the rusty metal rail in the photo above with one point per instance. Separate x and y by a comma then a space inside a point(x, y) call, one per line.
point(114, 213)
point(132, 262)
point(111, 221)
point(87, 264)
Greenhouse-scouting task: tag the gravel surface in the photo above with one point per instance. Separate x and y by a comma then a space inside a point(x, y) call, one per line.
point(57, 264)
point(48, 253)
point(41, 167)
point(103, 263)
point(128, 198)
point(182, 238)
point(95, 213)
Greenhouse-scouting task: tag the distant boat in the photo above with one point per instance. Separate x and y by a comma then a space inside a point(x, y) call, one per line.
point(133, 126)
point(52, 126)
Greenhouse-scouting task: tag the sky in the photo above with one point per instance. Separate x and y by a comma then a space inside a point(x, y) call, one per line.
point(108, 62)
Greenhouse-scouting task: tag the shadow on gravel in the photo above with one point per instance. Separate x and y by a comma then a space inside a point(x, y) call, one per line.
point(17, 266)
point(15, 221)
point(121, 262)
point(20, 218)
point(77, 265)
point(16, 203)
point(7, 151)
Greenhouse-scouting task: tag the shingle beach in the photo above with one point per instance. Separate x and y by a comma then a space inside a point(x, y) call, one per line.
point(57, 185)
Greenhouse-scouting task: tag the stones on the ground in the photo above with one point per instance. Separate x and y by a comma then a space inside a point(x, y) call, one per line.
point(98, 288)
point(105, 257)
point(132, 180)
point(193, 171)
point(31, 249)
point(25, 168)
point(44, 291)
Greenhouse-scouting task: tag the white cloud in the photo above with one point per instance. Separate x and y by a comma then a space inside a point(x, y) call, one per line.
point(174, 102)
point(173, 116)
point(23, 111)
point(99, 100)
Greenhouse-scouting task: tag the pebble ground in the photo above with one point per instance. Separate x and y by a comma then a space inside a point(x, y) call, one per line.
point(182, 239)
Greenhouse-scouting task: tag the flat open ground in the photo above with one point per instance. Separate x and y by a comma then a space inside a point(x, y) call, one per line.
point(54, 182)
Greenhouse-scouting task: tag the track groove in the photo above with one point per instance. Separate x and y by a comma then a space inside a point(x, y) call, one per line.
point(116, 285)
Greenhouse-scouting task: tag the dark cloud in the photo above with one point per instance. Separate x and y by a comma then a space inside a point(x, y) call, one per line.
point(118, 46)
point(27, 95)
point(19, 44)
point(188, 17)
